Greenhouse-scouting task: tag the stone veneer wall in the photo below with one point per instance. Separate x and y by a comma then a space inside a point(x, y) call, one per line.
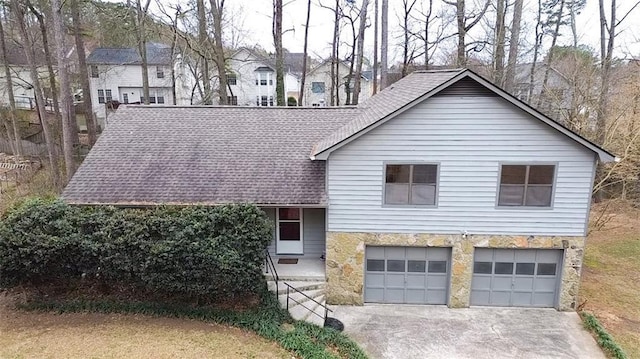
point(345, 261)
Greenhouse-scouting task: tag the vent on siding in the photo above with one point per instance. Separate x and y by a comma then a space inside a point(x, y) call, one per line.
point(467, 87)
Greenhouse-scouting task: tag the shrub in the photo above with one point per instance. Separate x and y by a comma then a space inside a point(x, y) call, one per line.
point(198, 252)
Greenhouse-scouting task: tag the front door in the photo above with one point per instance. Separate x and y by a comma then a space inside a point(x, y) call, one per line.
point(289, 231)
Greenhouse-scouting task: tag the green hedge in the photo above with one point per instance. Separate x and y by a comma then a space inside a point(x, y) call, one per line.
point(199, 252)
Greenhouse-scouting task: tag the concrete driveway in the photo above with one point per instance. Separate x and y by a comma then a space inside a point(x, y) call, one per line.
point(403, 331)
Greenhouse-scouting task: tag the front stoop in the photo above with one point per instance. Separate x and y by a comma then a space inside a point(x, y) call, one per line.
point(306, 309)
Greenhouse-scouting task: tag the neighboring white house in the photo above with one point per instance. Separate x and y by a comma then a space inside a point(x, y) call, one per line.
point(317, 88)
point(252, 78)
point(21, 78)
point(116, 75)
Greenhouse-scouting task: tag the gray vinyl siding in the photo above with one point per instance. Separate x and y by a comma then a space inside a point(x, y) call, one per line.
point(313, 231)
point(469, 137)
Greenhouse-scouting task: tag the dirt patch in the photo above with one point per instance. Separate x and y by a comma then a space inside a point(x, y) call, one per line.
point(82, 335)
point(611, 276)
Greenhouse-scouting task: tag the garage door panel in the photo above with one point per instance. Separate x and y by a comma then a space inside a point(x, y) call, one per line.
point(501, 283)
point(394, 295)
point(481, 283)
point(417, 275)
point(480, 297)
point(521, 299)
point(516, 277)
point(544, 299)
point(504, 255)
point(500, 298)
point(374, 295)
point(522, 284)
point(415, 296)
point(436, 296)
point(417, 253)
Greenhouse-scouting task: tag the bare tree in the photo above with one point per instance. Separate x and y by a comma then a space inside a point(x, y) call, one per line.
point(335, 100)
point(407, 7)
point(465, 22)
point(500, 36)
point(554, 40)
point(141, 20)
point(375, 47)
point(514, 43)
point(536, 49)
point(203, 40)
point(384, 44)
point(10, 94)
point(217, 11)
point(66, 110)
point(358, 76)
point(304, 51)
point(84, 73)
point(29, 47)
point(277, 41)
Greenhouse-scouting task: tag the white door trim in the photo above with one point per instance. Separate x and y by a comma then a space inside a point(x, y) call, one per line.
point(290, 247)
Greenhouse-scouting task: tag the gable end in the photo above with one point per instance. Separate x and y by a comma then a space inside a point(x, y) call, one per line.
point(467, 87)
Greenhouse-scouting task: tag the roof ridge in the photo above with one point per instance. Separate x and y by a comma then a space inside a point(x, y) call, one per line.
point(353, 107)
point(459, 69)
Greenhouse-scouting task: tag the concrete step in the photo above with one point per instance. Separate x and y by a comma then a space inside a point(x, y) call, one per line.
point(307, 314)
point(305, 308)
point(301, 286)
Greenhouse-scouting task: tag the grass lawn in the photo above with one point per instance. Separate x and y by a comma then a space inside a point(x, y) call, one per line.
point(93, 335)
point(611, 277)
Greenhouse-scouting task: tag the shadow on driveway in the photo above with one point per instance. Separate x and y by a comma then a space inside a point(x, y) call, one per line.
point(405, 331)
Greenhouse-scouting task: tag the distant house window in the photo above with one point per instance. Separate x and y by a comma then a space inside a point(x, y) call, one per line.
point(232, 100)
point(159, 72)
point(125, 98)
point(270, 100)
point(264, 78)
point(104, 96)
point(94, 71)
point(411, 184)
point(526, 185)
point(232, 79)
point(317, 87)
point(160, 96)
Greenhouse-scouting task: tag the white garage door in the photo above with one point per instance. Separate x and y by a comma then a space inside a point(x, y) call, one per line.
point(516, 277)
point(414, 275)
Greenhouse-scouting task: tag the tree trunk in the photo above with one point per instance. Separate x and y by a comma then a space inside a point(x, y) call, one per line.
point(384, 44)
point(66, 110)
point(607, 37)
point(217, 11)
point(37, 89)
point(304, 51)
point(277, 41)
point(142, 47)
point(461, 58)
point(92, 130)
point(10, 94)
point(554, 40)
point(536, 50)
point(405, 45)
point(499, 46)
point(427, 20)
point(203, 39)
point(334, 57)
point(375, 48)
point(358, 76)
point(514, 43)
point(47, 53)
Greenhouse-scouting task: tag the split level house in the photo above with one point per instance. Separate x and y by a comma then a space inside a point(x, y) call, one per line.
point(440, 189)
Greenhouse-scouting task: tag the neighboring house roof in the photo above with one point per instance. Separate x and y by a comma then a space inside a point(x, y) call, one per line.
point(157, 54)
point(293, 61)
point(415, 88)
point(207, 155)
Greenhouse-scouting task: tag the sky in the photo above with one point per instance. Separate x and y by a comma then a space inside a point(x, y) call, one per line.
point(254, 16)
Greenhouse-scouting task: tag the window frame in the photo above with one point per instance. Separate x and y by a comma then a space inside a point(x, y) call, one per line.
point(159, 72)
point(101, 97)
point(232, 78)
point(556, 166)
point(94, 71)
point(299, 220)
point(320, 84)
point(409, 163)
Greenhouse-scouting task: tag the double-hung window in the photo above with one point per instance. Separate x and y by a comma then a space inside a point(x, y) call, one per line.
point(411, 184)
point(526, 185)
point(289, 224)
point(94, 71)
point(232, 79)
point(160, 72)
point(104, 96)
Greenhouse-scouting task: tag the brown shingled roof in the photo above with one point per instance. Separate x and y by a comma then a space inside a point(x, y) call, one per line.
point(207, 155)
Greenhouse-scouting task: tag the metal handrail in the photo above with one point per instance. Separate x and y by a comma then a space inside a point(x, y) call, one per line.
point(268, 263)
point(326, 309)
